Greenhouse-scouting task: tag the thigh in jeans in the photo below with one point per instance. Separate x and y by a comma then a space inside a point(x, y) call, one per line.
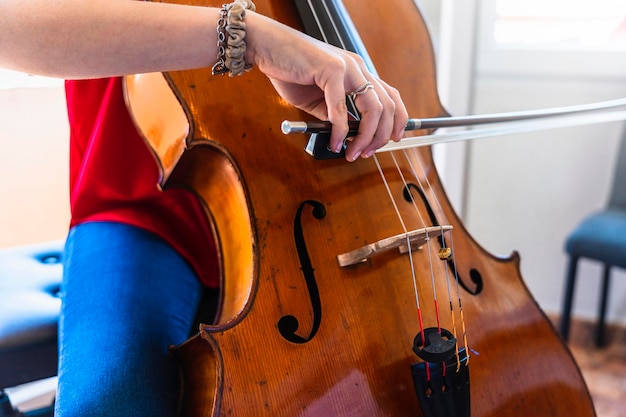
point(127, 297)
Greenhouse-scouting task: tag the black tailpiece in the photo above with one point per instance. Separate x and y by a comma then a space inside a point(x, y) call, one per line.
point(444, 395)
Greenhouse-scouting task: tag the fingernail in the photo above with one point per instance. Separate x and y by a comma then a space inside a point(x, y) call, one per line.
point(356, 155)
point(369, 154)
point(340, 147)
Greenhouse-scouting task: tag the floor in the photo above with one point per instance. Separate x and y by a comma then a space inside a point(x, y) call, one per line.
point(604, 369)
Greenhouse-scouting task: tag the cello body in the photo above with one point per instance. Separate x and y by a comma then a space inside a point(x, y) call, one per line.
point(298, 335)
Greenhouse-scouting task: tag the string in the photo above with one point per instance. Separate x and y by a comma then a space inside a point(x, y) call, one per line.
point(354, 110)
point(458, 291)
point(430, 262)
point(456, 274)
point(352, 105)
point(446, 277)
point(408, 242)
point(423, 223)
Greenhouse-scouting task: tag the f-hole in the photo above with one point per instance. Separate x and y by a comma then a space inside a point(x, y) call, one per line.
point(288, 325)
point(474, 274)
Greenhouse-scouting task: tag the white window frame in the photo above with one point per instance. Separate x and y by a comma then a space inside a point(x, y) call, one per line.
point(588, 62)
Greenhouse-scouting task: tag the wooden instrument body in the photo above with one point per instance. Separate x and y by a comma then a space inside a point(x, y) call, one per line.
point(260, 188)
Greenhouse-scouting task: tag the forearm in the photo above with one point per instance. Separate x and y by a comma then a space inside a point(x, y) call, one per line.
point(99, 38)
point(84, 39)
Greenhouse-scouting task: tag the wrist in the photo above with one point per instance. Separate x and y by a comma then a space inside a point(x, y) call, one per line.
point(252, 26)
point(231, 38)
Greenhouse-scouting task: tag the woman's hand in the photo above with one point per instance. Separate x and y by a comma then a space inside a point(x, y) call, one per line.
point(316, 77)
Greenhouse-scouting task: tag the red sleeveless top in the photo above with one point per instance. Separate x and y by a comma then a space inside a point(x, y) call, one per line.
point(114, 177)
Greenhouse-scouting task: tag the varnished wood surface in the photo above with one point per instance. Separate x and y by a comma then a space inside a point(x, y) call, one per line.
point(357, 361)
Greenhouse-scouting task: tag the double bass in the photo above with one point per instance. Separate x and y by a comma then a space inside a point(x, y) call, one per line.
point(348, 289)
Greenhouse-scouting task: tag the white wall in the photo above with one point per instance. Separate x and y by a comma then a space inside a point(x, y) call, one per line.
point(527, 192)
point(33, 165)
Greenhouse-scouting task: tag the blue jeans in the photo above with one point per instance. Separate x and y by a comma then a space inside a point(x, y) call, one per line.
point(127, 297)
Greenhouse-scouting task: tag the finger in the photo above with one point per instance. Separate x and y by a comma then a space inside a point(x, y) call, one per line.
point(366, 100)
point(400, 116)
point(337, 111)
point(371, 109)
point(391, 122)
point(385, 122)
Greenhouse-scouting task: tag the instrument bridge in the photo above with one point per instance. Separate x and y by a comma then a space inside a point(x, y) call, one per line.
point(404, 242)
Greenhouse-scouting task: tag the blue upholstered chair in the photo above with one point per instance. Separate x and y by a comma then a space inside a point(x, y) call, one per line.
point(30, 279)
point(600, 237)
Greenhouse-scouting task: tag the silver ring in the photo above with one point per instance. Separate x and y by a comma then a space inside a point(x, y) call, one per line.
point(361, 90)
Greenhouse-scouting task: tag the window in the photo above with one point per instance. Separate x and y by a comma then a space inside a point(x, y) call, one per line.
point(562, 37)
point(563, 24)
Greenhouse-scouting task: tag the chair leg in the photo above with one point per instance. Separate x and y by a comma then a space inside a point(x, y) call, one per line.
point(6, 408)
point(604, 293)
point(568, 298)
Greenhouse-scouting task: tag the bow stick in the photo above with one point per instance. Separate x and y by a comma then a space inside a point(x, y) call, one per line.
point(517, 122)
